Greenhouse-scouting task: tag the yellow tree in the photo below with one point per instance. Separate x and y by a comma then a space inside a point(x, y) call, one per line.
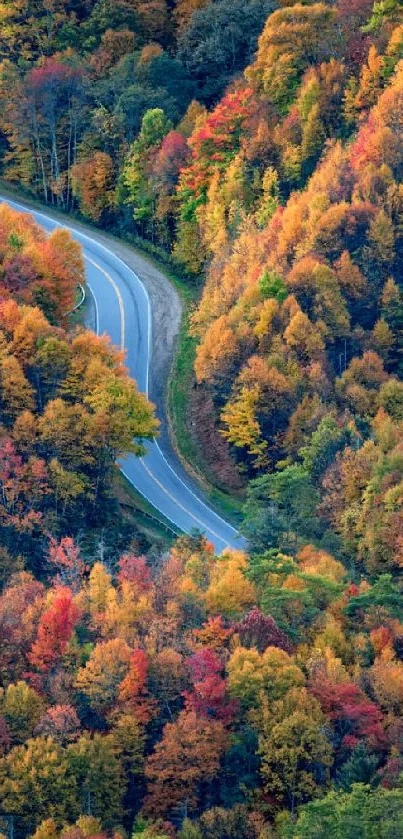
point(230, 592)
point(294, 751)
point(243, 429)
point(103, 673)
point(17, 395)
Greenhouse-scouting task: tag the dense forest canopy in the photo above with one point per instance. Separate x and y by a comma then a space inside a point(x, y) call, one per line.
point(259, 694)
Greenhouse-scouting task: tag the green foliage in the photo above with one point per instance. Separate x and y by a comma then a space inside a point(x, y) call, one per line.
point(272, 285)
point(374, 813)
point(280, 509)
point(319, 453)
point(94, 764)
point(360, 768)
point(35, 783)
point(383, 11)
point(384, 594)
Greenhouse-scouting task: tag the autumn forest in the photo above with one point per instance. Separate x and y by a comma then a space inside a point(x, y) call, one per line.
point(150, 686)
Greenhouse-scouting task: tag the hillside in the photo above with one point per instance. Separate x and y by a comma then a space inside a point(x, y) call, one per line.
point(257, 147)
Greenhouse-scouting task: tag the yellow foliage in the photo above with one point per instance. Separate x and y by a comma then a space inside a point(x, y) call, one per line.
point(320, 563)
point(230, 592)
point(216, 354)
point(387, 680)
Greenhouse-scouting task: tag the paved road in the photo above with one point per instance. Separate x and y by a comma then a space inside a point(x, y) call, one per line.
point(123, 311)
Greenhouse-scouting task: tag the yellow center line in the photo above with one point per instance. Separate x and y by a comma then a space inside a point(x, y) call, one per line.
point(175, 500)
point(118, 295)
point(122, 344)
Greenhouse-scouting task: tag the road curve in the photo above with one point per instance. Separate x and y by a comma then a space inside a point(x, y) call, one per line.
point(123, 311)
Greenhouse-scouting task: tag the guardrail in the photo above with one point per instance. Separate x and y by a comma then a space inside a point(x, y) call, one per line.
point(80, 303)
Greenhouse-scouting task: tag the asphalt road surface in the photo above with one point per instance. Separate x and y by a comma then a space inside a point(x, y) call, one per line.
point(123, 311)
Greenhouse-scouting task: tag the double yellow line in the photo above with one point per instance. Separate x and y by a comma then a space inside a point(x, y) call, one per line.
point(118, 295)
point(122, 346)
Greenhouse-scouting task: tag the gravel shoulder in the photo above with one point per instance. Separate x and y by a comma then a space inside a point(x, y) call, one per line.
point(166, 311)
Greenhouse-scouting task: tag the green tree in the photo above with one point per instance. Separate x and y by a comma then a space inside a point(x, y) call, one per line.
point(363, 811)
point(98, 773)
point(321, 449)
point(280, 509)
point(384, 595)
point(35, 783)
point(295, 753)
point(22, 708)
point(141, 192)
point(360, 767)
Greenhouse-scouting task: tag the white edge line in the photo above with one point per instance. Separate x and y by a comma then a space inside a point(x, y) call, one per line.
point(127, 267)
point(175, 524)
point(96, 308)
point(206, 507)
point(150, 502)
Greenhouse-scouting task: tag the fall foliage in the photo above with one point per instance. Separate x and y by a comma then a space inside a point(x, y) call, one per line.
point(168, 693)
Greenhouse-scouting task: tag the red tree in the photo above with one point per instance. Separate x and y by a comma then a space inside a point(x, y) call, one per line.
point(54, 631)
point(133, 569)
point(353, 715)
point(209, 695)
point(257, 630)
point(65, 557)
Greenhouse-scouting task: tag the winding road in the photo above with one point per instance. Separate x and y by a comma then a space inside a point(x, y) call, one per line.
point(123, 311)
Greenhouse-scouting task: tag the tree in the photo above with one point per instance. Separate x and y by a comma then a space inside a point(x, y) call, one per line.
point(35, 783)
point(257, 630)
point(219, 41)
point(16, 393)
point(93, 184)
point(353, 715)
point(295, 753)
point(133, 692)
point(186, 759)
point(208, 697)
point(45, 113)
point(281, 59)
point(59, 722)
point(280, 507)
point(382, 597)
point(302, 336)
point(114, 45)
point(215, 360)
point(392, 311)
point(103, 673)
point(360, 768)
point(339, 813)
point(22, 708)
point(213, 145)
point(97, 770)
point(184, 11)
point(253, 678)
point(229, 591)
point(98, 592)
point(317, 562)
point(220, 823)
point(54, 631)
point(359, 385)
point(134, 570)
point(129, 739)
point(136, 174)
point(32, 31)
point(65, 557)
point(243, 428)
point(320, 450)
